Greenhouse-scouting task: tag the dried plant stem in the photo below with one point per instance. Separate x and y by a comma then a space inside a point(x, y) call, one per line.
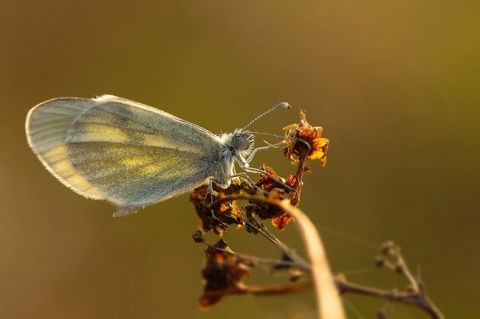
point(327, 287)
point(296, 260)
point(328, 299)
point(277, 289)
point(419, 299)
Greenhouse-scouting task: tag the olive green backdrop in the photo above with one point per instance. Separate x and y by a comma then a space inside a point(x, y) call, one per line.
point(394, 84)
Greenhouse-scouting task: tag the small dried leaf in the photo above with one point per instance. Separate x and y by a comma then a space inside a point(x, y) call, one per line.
point(281, 221)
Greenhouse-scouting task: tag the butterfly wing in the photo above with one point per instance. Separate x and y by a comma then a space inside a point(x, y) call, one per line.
point(119, 150)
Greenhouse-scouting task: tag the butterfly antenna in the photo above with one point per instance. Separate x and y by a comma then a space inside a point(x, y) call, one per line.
point(268, 134)
point(284, 105)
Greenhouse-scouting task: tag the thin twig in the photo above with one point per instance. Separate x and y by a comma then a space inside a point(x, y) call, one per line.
point(410, 298)
point(287, 251)
point(271, 262)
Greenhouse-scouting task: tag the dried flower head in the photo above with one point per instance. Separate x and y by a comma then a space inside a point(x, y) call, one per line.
point(303, 136)
point(274, 190)
point(223, 274)
point(216, 215)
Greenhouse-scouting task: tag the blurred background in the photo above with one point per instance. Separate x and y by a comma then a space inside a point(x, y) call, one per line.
point(394, 84)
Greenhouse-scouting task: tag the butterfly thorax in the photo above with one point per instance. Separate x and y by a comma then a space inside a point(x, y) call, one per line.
point(234, 146)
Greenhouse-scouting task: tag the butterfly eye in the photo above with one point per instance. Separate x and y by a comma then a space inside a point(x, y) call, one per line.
point(243, 141)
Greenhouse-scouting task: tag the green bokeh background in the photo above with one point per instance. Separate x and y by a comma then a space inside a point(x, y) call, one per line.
point(394, 84)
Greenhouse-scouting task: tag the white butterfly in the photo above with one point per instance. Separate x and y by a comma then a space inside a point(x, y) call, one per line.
point(129, 153)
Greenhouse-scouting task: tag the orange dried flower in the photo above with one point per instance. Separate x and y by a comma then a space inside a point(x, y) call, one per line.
point(306, 136)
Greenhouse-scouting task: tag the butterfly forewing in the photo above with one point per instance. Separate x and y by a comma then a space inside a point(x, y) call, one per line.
point(123, 151)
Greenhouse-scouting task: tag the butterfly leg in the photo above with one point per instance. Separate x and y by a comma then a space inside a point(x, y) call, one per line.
point(252, 154)
point(210, 192)
point(244, 164)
